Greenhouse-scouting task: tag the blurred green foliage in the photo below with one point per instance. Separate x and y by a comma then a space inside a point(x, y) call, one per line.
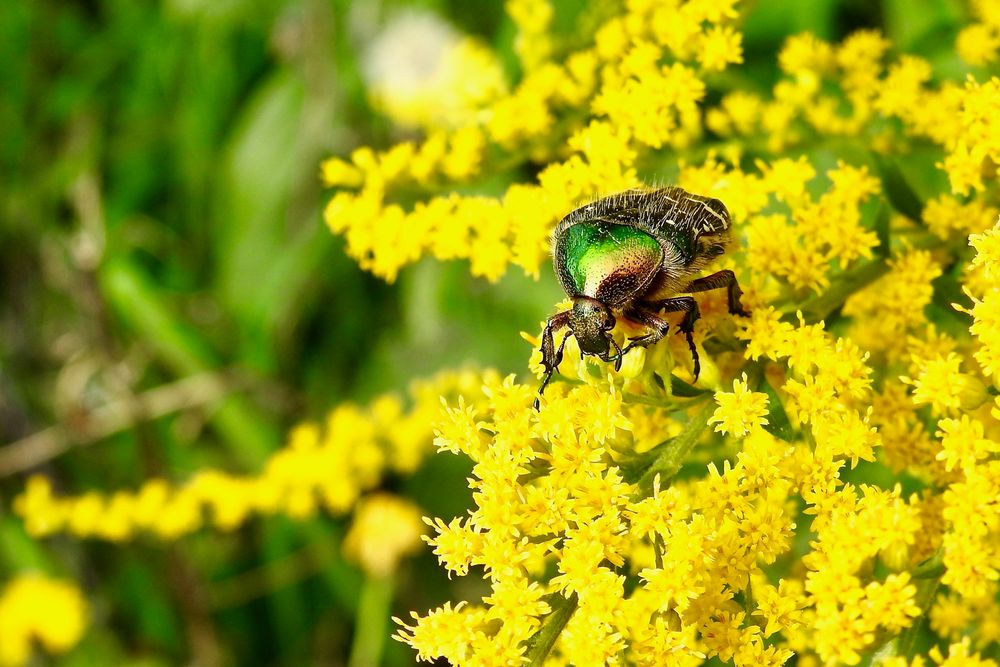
point(160, 219)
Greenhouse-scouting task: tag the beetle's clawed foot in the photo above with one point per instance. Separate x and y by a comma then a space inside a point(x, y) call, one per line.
point(736, 301)
point(616, 357)
point(688, 334)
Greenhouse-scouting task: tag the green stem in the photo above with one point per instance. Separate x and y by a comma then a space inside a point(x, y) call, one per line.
point(666, 404)
point(540, 644)
point(668, 463)
point(931, 568)
point(750, 603)
point(373, 616)
point(847, 283)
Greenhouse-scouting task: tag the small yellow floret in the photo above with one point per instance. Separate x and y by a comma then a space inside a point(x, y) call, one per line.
point(740, 411)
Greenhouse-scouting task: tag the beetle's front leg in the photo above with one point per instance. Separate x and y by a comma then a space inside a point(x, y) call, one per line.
point(647, 317)
point(552, 356)
point(616, 357)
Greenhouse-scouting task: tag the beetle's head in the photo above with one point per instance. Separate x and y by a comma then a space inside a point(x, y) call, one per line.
point(591, 322)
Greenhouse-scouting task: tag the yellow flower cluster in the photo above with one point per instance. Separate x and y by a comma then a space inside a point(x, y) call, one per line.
point(638, 517)
point(892, 307)
point(572, 528)
point(958, 655)
point(533, 19)
point(635, 101)
point(741, 411)
point(979, 42)
point(976, 140)
point(596, 553)
point(467, 79)
point(799, 246)
point(823, 78)
point(321, 467)
point(971, 445)
point(36, 609)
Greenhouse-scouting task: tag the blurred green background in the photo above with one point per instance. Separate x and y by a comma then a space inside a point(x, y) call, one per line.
point(160, 231)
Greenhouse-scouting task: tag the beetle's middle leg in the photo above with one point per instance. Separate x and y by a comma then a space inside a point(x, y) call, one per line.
point(718, 280)
point(551, 355)
point(647, 313)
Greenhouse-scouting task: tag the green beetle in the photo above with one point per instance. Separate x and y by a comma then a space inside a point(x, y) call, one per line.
point(629, 255)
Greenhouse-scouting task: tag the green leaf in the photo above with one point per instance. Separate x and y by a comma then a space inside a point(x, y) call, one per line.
point(898, 190)
point(634, 467)
point(679, 387)
point(540, 644)
point(778, 423)
point(907, 643)
point(143, 308)
point(907, 22)
point(882, 230)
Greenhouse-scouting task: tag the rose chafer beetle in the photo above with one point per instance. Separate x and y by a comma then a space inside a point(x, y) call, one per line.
point(629, 255)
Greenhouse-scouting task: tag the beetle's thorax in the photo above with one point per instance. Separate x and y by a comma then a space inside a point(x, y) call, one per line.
point(605, 261)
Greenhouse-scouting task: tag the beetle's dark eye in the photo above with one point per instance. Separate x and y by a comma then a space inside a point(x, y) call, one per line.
point(609, 322)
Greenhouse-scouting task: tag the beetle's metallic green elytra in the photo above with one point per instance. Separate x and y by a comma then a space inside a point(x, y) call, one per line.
point(629, 255)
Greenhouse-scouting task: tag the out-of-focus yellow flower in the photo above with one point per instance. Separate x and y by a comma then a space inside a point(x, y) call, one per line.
point(892, 306)
point(384, 529)
point(421, 73)
point(533, 19)
point(320, 468)
point(805, 53)
point(960, 655)
point(978, 43)
point(720, 47)
point(34, 608)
